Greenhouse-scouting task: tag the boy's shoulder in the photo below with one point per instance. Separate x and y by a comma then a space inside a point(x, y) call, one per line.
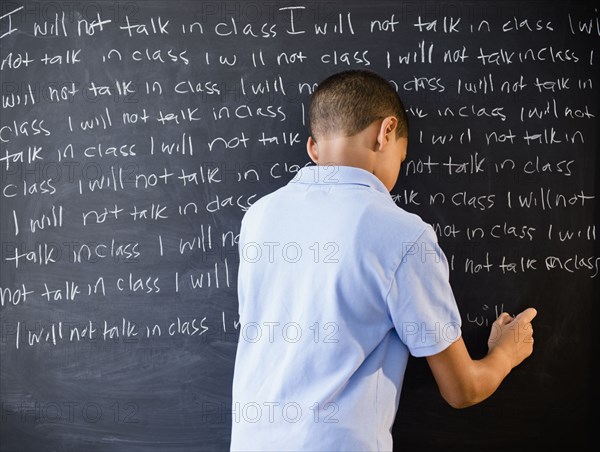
point(260, 203)
point(392, 221)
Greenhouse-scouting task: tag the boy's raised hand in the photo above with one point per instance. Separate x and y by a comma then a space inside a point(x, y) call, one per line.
point(513, 337)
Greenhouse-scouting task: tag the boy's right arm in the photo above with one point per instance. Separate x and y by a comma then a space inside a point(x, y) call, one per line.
point(463, 381)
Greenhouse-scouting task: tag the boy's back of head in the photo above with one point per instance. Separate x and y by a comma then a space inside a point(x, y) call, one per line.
point(347, 102)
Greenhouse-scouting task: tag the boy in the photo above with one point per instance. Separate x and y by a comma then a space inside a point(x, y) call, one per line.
point(337, 285)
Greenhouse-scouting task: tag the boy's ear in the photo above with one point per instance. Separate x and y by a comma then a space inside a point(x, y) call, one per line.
point(312, 149)
point(387, 128)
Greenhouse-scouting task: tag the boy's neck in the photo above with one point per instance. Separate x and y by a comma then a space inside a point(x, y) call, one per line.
point(347, 151)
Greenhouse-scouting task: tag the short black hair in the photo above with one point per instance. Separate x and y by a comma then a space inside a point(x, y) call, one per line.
point(347, 102)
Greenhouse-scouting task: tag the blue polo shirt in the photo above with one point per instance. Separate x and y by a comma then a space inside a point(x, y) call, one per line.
point(336, 286)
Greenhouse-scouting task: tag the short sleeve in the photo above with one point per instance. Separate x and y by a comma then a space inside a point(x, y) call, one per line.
point(420, 300)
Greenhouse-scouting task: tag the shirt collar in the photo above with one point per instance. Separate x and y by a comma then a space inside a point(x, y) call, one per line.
point(338, 174)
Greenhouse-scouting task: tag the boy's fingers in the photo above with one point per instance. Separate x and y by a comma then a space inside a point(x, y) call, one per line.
point(504, 318)
point(527, 315)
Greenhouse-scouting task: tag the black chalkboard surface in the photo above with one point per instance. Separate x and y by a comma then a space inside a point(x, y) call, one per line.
point(134, 135)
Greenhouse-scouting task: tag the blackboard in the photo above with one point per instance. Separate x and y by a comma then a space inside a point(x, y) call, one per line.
point(134, 135)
